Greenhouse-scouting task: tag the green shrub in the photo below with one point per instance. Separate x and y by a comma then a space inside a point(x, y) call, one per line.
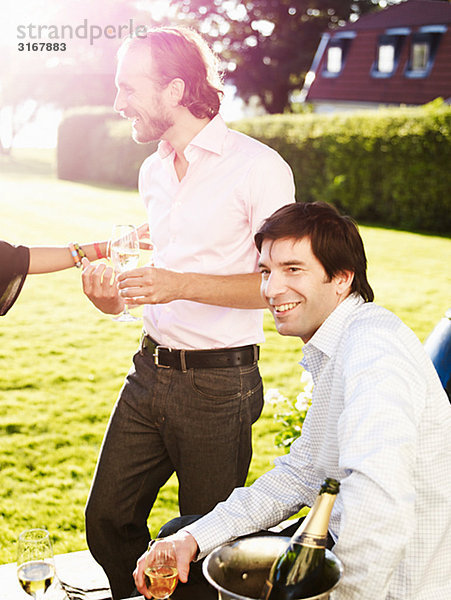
point(388, 166)
point(290, 412)
point(95, 145)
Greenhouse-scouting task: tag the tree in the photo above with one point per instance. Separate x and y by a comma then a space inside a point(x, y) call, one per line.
point(268, 45)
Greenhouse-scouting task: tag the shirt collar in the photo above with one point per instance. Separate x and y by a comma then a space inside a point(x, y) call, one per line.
point(325, 340)
point(210, 138)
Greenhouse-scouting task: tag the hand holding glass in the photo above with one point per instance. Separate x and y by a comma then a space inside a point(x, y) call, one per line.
point(35, 565)
point(161, 573)
point(124, 248)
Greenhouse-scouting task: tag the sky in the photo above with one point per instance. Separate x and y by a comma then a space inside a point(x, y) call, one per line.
point(18, 16)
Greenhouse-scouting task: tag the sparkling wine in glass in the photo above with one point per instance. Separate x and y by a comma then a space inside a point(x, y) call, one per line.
point(124, 248)
point(160, 574)
point(35, 565)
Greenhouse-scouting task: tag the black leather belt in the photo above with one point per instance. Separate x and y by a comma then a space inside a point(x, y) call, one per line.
point(199, 359)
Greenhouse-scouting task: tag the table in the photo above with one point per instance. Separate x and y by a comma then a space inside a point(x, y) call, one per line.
point(80, 568)
point(74, 567)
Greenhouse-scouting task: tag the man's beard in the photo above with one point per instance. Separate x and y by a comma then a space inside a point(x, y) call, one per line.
point(152, 130)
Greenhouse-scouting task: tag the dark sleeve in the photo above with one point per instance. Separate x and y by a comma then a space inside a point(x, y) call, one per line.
point(14, 262)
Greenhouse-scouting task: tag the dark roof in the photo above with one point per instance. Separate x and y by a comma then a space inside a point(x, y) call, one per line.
point(405, 14)
point(356, 82)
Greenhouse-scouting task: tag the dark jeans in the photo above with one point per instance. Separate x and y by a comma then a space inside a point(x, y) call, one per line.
point(197, 586)
point(197, 424)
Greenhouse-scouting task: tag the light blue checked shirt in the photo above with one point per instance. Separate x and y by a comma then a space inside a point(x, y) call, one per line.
point(380, 423)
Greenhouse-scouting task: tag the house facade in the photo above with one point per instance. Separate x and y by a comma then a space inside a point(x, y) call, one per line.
point(397, 56)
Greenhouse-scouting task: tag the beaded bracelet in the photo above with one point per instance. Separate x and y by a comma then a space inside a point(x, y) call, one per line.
point(81, 253)
point(75, 255)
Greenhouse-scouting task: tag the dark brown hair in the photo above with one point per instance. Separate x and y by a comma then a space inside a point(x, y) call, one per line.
point(179, 52)
point(335, 239)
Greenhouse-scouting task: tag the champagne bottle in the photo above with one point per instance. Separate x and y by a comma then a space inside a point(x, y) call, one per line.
point(302, 571)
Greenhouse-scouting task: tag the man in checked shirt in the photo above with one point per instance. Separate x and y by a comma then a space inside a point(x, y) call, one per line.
point(379, 422)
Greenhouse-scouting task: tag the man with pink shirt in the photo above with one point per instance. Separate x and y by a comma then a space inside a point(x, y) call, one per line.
point(189, 401)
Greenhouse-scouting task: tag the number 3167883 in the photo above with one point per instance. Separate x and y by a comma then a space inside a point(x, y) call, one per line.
point(42, 46)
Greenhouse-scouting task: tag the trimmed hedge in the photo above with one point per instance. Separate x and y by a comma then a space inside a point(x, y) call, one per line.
point(95, 145)
point(388, 166)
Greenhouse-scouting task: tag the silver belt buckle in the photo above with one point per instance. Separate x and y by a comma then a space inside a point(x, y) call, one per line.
point(155, 356)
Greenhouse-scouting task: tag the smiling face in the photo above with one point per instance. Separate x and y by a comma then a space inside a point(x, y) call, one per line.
point(296, 287)
point(140, 98)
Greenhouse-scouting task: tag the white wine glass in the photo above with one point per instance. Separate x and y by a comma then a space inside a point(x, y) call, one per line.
point(160, 573)
point(124, 250)
point(35, 564)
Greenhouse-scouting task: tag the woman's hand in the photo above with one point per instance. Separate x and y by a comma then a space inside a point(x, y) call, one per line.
point(143, 234)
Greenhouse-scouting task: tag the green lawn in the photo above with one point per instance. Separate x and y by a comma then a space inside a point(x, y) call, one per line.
point(62, 362)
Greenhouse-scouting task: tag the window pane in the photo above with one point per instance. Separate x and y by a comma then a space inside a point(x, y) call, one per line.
point(386, 58)
point(420, 56)
point(334, 58)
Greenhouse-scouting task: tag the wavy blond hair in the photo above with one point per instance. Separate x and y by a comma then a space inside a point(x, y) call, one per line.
point(179, 52)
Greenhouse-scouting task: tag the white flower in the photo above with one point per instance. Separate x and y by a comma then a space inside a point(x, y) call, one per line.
point(273, 396)
point(302, 401)
point(307, 381)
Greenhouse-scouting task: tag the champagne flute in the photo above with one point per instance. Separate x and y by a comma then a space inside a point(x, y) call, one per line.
point(124, 249)
point(35, 565)
point(160, 574)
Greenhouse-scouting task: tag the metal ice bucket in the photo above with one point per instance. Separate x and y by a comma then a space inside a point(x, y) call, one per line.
point(238, 569)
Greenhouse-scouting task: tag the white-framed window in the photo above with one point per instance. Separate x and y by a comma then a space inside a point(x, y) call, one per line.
point(336, 52)
point(334, 59)
point(388, 51)
point(423, 48)
point(420, 55)
point(386, 58)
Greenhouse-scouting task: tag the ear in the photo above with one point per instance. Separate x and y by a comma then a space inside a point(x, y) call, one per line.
point(343, 281)
point(176, 89)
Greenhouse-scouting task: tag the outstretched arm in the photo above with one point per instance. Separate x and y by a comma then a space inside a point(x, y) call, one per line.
point(150, 285)
point(47, 259)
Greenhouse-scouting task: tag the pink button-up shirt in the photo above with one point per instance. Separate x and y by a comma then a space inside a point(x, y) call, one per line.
point(205, 223)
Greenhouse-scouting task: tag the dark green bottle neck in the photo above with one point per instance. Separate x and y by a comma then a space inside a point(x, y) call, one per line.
point(313, 530)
